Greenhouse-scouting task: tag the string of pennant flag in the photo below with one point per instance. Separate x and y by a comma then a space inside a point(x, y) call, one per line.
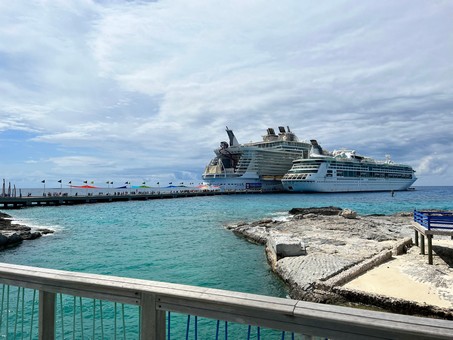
point(111, 182)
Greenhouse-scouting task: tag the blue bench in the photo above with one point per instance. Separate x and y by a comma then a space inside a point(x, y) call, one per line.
point(429, 223)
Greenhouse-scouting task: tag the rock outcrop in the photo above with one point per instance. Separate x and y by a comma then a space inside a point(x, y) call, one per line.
point(317, 250)
point(12, 234)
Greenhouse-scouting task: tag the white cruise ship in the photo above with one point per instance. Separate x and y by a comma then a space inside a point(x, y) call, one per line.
point(343, 171)
point(255, 165)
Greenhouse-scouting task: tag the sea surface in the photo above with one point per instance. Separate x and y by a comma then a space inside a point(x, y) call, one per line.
point(184, 240)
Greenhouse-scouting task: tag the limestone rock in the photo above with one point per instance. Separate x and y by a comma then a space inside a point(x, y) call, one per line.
point(285, 245)
point(349, 214)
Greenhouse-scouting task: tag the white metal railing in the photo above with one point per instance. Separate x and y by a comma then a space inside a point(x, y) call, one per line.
point(156, 299)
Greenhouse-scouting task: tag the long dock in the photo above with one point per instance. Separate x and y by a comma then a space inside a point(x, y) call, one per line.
point(36, 201)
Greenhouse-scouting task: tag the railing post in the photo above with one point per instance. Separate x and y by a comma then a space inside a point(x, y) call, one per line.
point(152, 321)
point(430, 249)
point(46, 315)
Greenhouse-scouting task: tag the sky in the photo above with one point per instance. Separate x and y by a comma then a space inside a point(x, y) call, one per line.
point(143, 90)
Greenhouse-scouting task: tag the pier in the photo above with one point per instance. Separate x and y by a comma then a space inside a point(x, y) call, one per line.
point(56, 200)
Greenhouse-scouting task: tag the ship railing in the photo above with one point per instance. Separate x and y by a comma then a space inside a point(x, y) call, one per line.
point(434, 219)
point(54, 304)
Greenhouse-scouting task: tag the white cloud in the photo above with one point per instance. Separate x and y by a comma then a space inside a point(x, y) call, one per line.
point(151, 85)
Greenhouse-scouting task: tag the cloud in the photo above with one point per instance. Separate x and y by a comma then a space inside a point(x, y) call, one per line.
point(433, 165)
point(145, 87)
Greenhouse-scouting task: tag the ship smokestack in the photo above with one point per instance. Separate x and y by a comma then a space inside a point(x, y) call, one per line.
point(232, 137)
point(315, 147)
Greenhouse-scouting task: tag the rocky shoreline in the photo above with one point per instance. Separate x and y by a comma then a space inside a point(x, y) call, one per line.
point(318, 250)
point(13, 234)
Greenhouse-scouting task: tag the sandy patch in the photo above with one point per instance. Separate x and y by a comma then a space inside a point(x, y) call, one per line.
point(389, 280)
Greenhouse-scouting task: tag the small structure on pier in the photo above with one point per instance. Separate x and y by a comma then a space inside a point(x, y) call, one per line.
point(430, 223)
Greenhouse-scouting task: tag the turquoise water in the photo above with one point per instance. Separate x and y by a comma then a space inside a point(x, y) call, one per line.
point(184, 240)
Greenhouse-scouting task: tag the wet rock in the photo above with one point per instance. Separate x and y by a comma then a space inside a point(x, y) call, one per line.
point(325, 211)
point(44, 231)
point(31, 235)
point(3, 240)
point(14, 239)
point(12, 234)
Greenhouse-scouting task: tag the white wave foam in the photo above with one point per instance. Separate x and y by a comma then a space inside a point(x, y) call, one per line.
point(56, 228)
point(280, 216)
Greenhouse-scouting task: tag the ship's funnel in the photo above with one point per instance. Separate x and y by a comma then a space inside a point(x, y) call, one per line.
point(281, 129)
point(315, 147)
point(270, 132)
point(232, 137)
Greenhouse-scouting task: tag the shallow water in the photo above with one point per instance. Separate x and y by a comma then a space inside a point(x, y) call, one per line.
point(184, 240)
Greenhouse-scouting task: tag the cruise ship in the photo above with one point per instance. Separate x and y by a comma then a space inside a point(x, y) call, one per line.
point(344, 171)
point(255, 165)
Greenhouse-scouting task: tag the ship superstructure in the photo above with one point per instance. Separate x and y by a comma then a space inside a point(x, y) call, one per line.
point(345, 170)
point(255, 165)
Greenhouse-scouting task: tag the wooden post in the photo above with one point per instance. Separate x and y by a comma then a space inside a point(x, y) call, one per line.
point(46, 315)
point(416, 237)
point(152, 320)
point(422, 244)
point(430, 249)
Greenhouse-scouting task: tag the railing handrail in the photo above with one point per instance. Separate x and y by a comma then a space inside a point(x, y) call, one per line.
point(271, 312)
point(434, 219)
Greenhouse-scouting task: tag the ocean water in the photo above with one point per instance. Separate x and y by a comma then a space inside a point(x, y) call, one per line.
point(184, 240)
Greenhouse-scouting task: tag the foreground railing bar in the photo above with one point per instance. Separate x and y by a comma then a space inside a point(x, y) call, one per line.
point(269, 312)
point(86, 293)
point(291, 324)
point(367, 316)
point(379, 323)
point(327, 320)
point(62, 282)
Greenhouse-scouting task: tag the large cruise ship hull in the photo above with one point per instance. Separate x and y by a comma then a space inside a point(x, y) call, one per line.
point(245, 183)
point(347, 185)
